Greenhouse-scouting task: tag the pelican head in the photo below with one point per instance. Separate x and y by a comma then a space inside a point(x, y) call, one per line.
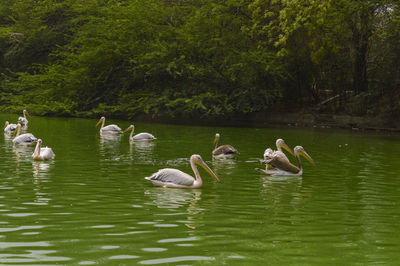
point(300, 151)
point(6, 124)
point(100, 120)
point(25, 112)
point(280, 143)
point(216, 139)
point(199, 161)
point(16, 131)
point(129, 128)
point(268, 152)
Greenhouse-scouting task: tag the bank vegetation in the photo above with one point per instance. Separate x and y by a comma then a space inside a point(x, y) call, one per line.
point(199, 58)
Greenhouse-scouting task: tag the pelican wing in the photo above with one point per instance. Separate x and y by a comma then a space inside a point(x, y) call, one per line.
point(26, 138)
point(281, 155)
point(10, 128)
point(47, 153)
point(224, 150)
point(170, 175)
point(111, 129)
point(143, 136)
point(282, 164)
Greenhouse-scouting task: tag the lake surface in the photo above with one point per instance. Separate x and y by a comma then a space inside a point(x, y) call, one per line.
point(92, 205)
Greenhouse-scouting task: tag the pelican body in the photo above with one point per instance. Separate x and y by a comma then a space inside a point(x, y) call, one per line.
point(109, 129)
point(22, 119)
point(9, 128)
point(44, 153)
point(26, 139)
point(144, 136)
point(223, 151)
point(280, 143)
point(284, 167)
point(174, 178)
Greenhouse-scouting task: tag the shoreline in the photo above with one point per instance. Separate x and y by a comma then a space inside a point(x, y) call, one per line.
point(266, 119)
point(310, 120)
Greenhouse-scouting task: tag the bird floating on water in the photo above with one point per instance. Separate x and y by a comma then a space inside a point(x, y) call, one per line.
point(44, 153)
point(22, 119)
point(144, 136)
point(280, 143)
point(223, 151)
point(174, 178)
point(283, 167)
point(9, 128)
point(109, 129)
point(26, 139)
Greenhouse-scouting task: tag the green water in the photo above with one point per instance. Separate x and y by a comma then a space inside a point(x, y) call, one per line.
point(92, 205)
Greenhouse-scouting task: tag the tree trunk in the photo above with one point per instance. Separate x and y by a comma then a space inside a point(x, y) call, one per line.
point(362, 31)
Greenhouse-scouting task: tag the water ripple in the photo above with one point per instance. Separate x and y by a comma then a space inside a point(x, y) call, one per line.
point(25, 227)
point(123, 257)
point(24, 244)
point(154, 249)
point(176, 259)
point(174, 240)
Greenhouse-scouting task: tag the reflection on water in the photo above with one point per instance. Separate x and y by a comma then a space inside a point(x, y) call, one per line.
point(142, 151)
point(173, 199)
point(281, 188)
point(177, 259)
point(41, 169)
point(223, 166)
point(110, 137)
point(8, 137)
point(31, 256)
point(109, 145)
point(21, 154)
point(179, 162)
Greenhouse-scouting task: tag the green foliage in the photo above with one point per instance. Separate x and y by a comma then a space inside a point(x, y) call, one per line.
point(203, 58)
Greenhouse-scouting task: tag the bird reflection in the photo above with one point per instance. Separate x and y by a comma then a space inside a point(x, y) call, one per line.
point(282, 188)
point(142, 151)
point(8, 138)
point(109, 143)
point(224, 165)
point(110, 137)
point(41, 169)
point(142, 147)
point(173, 199)
point(22, 153)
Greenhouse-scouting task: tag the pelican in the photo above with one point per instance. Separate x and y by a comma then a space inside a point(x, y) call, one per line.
point(280, 143)
point(22, 119)
point(9, 128)
point(224, 151)
point(41, 154)
point(139, 137)
point(110, 129)
point(169, 177)
point(24, 139)
point(285, 168)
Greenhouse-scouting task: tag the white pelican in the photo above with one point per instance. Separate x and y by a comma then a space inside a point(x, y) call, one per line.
point(24, 139)
point(284, 167)
point(41, 154)
point(169, 177)
point(223, 151)
point(139, 137)
point(110, 129)
point(22, 119)
point(9, 128)
point(280, 143)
